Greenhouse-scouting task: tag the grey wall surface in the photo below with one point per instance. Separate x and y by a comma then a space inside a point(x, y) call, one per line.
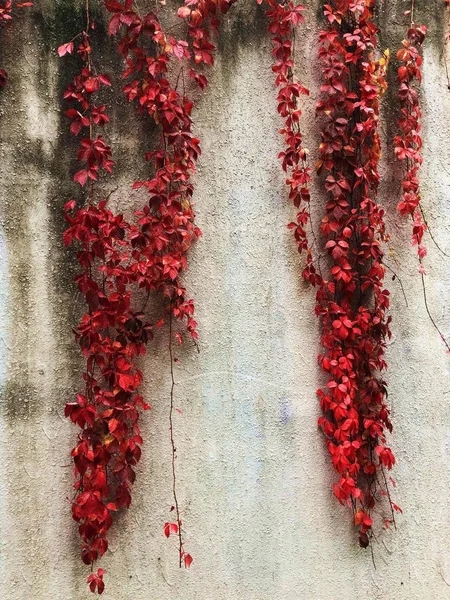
point(254, 476)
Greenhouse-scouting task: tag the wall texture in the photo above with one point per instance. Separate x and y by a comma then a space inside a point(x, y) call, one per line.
point(254, 476)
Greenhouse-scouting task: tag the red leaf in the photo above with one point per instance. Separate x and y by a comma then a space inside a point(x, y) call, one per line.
point(184, 12)
point(104, 79)
point(70, 205)
point(113, 424)
point(81, 177)
point(170, 528)
point(65, 49)
point(126, 382)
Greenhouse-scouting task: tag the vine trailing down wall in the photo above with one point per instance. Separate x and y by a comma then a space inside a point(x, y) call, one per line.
point(408, 144)
point(118, 258)
point(6, 16)
point(352, 304)
point(167, 222)
point(110, 334)
point(123, 261)
point(283, 19)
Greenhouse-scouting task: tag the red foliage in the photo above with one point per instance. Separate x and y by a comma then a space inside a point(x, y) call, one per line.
point(408, 144)
point(352, 304)
point(166, 227)
point(283, 19)
point(116, 257)
point(202, 17)
point(110, 334)
point(95, 581)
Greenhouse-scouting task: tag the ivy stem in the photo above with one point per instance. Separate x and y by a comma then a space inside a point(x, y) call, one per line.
point(429, 313)
point(172, 441)
point(447, 37)
point(431, 233)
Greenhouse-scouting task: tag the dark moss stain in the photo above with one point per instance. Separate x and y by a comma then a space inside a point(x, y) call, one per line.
point(54, 24)
point(25, 158)
point(320, 17)
point(392, 29)
point(246, 25)
point(59, 22)
point(434, 16)
point(19, 399)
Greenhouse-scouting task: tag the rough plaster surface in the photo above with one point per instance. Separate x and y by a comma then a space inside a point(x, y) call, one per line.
point(254, 477)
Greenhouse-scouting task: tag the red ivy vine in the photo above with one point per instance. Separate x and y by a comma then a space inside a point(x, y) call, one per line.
point(117, 257)
point(111, 335)
point(120, 259)
point(352, 304)
point(283, 19)
point(167, 223)
point(408, 144)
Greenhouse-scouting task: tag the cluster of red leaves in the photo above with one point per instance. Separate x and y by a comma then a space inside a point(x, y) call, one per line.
point(117, 257)
point(202, 18)
point(283, 19)
point(408, 144)
point(6, 9)
point(352, 305)
point(110, 334)
point(167, 227)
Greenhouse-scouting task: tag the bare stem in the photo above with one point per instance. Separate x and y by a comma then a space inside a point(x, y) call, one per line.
point(389, 497)
point(430, 232)
point(429, 314)
point(399, 280)
point(172, 441)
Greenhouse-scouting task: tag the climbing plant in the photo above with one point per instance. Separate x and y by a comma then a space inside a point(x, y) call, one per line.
point(166, 226)
point(127, 263)
point(353, 302)
point(111, 335)
point(283, 19)
point(118, 258)
point(408, 143)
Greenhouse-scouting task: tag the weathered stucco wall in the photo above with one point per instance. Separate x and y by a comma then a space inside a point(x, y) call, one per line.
point(254, 476)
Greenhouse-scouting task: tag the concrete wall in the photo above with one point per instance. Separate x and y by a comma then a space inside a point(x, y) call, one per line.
point(254, 475)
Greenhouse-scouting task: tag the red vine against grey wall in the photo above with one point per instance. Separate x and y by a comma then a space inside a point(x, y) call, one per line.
point(110, 334)
point(283, 19)
point(123, 260)
point(117, 258)
point(167, 223)
point(408, 145)
point(352, 304)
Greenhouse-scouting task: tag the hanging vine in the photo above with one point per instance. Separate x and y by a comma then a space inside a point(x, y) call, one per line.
point(110, 334)
point(166, 227)
point(352, 304)
point(408, 144)
point(283, 19)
